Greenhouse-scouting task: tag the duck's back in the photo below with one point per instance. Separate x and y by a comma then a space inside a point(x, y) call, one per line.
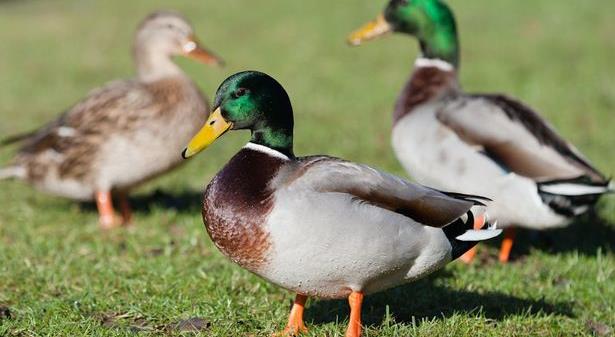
point(118, 136)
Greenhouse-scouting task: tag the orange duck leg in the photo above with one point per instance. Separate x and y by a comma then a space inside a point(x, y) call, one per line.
point(354, 325)
point(106, 215)
point(295, 324)
point(507, 244)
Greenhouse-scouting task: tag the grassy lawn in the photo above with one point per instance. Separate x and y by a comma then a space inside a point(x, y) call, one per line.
point(60, 276)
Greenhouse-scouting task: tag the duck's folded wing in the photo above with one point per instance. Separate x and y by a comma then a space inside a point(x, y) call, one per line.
point(113, 106)
point(427, 206)
point(516, 137)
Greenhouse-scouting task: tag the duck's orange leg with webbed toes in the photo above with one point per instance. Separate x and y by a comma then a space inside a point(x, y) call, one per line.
point(295, 324)
point(354, 325)
point(106, 215)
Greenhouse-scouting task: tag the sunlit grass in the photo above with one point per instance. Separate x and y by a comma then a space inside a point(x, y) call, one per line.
point(60, 276)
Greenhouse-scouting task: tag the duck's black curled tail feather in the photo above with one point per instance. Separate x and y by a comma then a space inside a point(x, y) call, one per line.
point(572, 197)
point(476, 199)
point(462, 234)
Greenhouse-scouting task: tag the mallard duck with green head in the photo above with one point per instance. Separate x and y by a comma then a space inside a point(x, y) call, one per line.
point(124, 133)
point(321, 226)
point(485, 144)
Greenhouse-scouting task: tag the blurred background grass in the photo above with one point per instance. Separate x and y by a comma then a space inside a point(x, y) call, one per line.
point(60, 276)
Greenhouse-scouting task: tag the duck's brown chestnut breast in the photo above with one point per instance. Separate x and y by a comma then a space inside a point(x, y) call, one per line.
point(236, 205)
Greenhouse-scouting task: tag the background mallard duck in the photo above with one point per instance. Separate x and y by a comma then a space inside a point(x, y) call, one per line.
point(318, 225)
point(485, 144)
point(124, 133)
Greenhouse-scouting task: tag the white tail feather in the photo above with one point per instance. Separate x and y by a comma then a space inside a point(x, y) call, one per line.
point(479, 234)
point(572, 189)
point(12, 172)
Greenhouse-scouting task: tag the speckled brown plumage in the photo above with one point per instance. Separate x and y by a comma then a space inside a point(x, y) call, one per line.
point(236, 204)
point(121, 107)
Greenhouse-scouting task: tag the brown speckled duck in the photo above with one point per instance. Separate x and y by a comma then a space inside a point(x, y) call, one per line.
point(124, 133)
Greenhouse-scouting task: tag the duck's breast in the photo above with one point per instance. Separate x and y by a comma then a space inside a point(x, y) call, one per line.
point(237, 203)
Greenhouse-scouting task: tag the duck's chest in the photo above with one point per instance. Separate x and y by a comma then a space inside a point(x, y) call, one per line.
point(421, 143)
point(426, 85)
point(236, 205)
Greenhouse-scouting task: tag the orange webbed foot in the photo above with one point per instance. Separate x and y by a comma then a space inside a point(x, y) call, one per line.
point(295, 325)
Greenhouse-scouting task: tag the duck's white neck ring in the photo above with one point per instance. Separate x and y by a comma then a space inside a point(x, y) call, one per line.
point(423, 62)
point(267, 150)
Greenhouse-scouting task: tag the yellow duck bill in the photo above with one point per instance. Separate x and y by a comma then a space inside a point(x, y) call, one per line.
point(214, 127)
point(370, 30)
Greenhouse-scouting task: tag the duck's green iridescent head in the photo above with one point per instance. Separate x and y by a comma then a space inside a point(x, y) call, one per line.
point(249, 100)
point(431, 21)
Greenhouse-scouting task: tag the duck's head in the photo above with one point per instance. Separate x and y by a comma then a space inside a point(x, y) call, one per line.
point(249, 100)
point(431, 21)
point(167, 34)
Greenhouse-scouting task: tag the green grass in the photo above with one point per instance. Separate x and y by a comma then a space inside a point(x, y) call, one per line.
point(60, 276)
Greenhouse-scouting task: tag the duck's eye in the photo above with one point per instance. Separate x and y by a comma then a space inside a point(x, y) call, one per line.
point(240, 92)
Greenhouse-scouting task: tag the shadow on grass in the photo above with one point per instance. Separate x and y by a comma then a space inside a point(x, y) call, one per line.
point(422, 300)
point(182, 202)
point(586, 235)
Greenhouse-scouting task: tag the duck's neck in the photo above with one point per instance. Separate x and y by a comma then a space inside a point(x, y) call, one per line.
point(153, 66)
point(266, 150)
point(441, 43)
point(279, 139)
point(431, 80)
